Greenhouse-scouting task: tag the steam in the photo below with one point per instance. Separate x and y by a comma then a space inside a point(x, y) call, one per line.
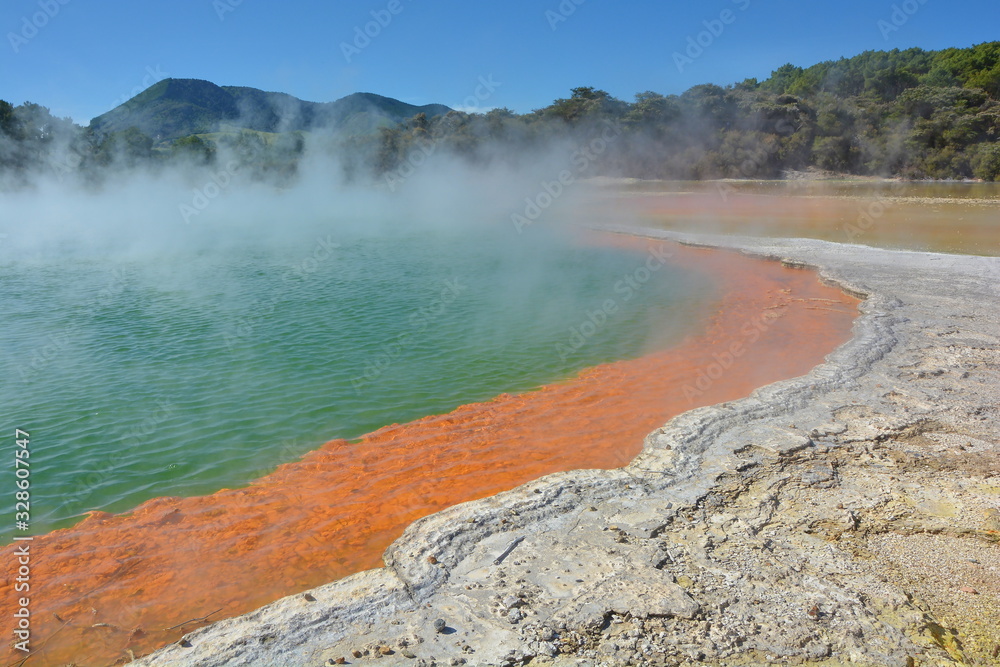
point(132, 210)
point(178, 224)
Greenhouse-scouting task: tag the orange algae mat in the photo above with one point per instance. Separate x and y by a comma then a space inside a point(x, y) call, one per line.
point(109, 587)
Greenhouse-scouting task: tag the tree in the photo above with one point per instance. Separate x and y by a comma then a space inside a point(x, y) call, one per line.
point(986, 161)
point(832, 153)
point(193, 149)
point(653, 108)
point(127, 148)
point(585, 102)
point(9, 124)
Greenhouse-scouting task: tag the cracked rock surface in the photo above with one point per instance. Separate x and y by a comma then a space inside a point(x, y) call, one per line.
point(849, 516)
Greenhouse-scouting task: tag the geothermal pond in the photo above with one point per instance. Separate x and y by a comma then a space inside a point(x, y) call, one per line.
point(190, 372)
point(245, 424)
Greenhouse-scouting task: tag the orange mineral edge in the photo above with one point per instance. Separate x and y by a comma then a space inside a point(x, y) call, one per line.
point(117, 586)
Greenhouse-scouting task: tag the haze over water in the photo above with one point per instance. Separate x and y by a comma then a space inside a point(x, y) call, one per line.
point(204, 368)
point(141, 573)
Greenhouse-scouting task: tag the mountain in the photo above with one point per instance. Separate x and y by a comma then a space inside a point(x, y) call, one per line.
point(911, 113)
point(174, 108)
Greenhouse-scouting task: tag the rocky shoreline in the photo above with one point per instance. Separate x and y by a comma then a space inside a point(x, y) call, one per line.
point(849, 516)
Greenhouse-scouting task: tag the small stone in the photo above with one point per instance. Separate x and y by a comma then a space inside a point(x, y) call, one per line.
point(969, 590)
point(308, 598)
point(439, 625)
point(432, 560)
point(356, 653)
point(385, 650)
point(407, 653)
point(515, 615)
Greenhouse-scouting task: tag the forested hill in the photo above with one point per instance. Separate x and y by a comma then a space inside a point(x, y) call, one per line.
point(911, 113)
point(175, 108)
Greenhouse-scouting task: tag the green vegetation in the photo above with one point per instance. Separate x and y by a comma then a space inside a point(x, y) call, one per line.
point(914, 113)
point(176, 108)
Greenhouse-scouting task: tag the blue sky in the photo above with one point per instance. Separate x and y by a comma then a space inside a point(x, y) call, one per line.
point(83, 57)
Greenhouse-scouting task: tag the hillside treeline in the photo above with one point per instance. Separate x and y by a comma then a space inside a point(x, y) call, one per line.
point(913, 114)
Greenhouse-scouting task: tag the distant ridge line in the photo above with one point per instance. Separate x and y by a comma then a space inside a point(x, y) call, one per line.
point(173, 108)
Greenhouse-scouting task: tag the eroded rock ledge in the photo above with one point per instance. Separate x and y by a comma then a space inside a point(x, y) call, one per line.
point(850, 516)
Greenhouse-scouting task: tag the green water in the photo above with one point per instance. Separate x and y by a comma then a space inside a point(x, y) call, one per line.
point(187, 372)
